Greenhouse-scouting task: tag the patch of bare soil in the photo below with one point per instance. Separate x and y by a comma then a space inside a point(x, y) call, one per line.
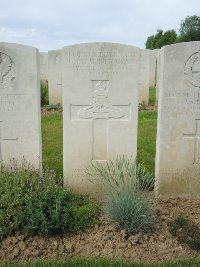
point(46, 111)
point(152, 107)
point(105, 241)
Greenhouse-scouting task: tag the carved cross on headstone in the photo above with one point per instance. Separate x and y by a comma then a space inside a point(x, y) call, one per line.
point(196, 137)
point(4, 140)
point(100, 111)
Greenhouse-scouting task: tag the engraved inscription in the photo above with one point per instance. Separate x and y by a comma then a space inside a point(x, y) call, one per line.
point(13, 102)
point(100, 112)
point(196, 138)
point(4, 140)
point(7, 71)
point(192, 69)
point(104, 62)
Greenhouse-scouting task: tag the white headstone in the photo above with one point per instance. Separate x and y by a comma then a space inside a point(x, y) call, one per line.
point(159, 71)
point(20, 123)
point(55, 77)
point(100, 107)
point(43, 66)
point(178, 134)
point(152, 66)
point(143, 94)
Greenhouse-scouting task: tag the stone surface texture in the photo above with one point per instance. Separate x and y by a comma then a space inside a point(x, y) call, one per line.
point(43, 66)
point(178, 133)
point(20, 121)
point(100, 107)
point(55, 77)
point(152, 66)
point(143, 93)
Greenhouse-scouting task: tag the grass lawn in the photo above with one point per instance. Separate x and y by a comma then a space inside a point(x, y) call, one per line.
point(52, 140)
point(105, 263)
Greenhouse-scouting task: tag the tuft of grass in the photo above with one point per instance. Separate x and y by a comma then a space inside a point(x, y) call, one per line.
point(53, 107)
point(142, 106)
point(44, 93)
point(186, 231)
point(32, 205)
point(126, 206)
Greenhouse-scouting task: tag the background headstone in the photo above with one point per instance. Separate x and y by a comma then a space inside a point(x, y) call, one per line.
point(152, 66)
point(143, 93)
point(20, 122)
point(178, 134)
point(43, 66)
point(100, 107)
point(55, 77)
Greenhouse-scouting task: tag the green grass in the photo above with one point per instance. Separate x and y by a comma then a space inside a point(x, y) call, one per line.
point(147, 123)
point(52, 140)
point(152, 95)
point(105, 263)
point(52, 148)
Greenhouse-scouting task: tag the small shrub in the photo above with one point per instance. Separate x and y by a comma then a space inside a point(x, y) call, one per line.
point(142, 106)
point(186, 231)
point(125, 187)
point(129, 210)
point(44, 93)
point(53, 107)
point(32, 205)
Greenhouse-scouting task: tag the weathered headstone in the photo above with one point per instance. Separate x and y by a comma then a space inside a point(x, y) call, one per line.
point(100, 107)
point(20, 123)
point(143, 93)
point(43, 66)
point(159, 71)
point(55, 77)
point(152, 66)
point(178, 135)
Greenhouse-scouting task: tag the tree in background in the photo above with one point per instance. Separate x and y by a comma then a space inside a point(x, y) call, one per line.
point(161, 38)
point(189, 31)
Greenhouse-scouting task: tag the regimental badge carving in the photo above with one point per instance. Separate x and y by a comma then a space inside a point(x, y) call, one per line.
point(7, 71)
point(101, 107)
point(192, 69)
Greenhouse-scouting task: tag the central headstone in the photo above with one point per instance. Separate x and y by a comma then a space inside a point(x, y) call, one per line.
point(100, 102)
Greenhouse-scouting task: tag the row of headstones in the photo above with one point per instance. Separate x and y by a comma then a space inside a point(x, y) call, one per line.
point(100, 111)
point(51, 71)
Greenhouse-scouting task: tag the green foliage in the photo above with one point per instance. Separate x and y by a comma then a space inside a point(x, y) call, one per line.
point(190, 29)
point(142, 106)
point(160, 39)
point(186, 232)
point(44, 93)
point(53, 107)
point(129, 210)
point(124, 184)
point(33, 205)
point(152, 95)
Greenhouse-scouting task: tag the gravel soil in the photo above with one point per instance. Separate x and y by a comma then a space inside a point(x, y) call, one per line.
point(103, 240)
